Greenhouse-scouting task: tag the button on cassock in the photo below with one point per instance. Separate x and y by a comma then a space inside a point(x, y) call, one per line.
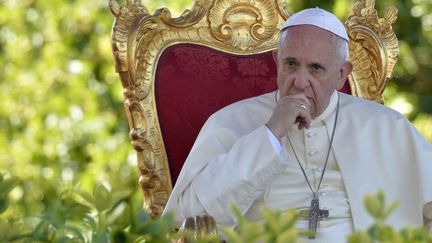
point(310, 134)
point(312, 153)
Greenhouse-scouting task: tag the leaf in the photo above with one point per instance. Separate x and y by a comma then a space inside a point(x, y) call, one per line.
point(237, 214)
point(77, 232)
point(252, 232)
point(144, 217)
point(419, 234)
point(102, 198)
point(41, 232)
point(100, 237)
point(90, 220)
point(6, 185)
point(390, 209)
point(11, 229)
point(359, 237)
point(374, 206)
point(4, 204)
point(88, 198)
point(119, 196)
point(232, 236)
point(287, 236)
point(118, 235)
point(271, 220)
point(116, 213)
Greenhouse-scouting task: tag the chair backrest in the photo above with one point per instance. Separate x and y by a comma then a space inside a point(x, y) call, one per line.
point(176, 72)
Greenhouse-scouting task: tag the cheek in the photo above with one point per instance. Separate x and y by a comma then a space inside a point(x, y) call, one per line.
point(283, 81)
point(320, 91)
point(325, 86)
point(316, 88)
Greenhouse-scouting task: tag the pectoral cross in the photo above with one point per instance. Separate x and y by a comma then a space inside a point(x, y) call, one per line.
point(314, 214)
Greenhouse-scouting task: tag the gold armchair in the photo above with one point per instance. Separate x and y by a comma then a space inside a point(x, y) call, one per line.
point(240, 29)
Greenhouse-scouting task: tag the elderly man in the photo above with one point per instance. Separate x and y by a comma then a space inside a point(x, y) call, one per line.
point(307, 146)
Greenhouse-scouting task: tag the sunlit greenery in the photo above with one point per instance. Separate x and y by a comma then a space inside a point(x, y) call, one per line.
point(279, 227)
point(62, 124)
point(61, 116)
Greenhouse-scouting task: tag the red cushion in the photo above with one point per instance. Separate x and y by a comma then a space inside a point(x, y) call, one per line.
point(192, 82)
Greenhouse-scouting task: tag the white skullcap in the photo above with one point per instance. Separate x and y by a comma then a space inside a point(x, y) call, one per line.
point(319, 18)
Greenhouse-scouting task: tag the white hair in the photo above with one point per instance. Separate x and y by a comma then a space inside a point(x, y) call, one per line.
point(341, 45)
point(343, 49)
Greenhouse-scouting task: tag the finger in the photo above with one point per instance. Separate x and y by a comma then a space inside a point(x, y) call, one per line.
point(301, 124)
point(299, 105)
point(307, 121)
point(299, 98)
point(304, 118)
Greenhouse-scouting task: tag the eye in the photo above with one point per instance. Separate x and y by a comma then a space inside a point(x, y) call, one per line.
point(316, 67)
point(290, 63)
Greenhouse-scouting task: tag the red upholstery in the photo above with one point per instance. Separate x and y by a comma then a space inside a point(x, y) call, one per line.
point(192, 82)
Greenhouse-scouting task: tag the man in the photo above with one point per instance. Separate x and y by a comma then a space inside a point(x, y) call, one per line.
point(307, 146)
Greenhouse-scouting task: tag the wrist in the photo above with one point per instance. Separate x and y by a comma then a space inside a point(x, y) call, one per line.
point(276, 132)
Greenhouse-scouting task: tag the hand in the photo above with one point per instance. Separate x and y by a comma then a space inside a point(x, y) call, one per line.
point(290, 110)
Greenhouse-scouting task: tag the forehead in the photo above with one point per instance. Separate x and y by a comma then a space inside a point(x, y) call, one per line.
point(308, 39)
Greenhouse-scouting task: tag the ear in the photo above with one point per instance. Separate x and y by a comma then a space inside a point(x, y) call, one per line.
point(345, 70)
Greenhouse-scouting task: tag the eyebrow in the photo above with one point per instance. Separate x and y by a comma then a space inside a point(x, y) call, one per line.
point(293, 59)
point(289, 59)
point(317, 64)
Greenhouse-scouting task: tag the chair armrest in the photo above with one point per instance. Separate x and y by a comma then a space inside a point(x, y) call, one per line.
point(198, 225)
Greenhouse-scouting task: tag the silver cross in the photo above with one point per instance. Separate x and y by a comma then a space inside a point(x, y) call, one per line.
point(314, 214)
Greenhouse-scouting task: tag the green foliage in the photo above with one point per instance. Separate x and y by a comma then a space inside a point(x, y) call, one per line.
point(67, 170)
point(77, 216)
point(10, 228)
point(379, 231)
point(6, 185)
point(280, 227)
point(375, 205)
point(247, 231)
point(61, 117)
point(107, 216)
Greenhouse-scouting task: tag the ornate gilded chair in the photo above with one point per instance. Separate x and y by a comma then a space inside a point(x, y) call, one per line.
point(177, 71)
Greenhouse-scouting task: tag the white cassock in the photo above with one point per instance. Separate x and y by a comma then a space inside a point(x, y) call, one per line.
point(235, 161)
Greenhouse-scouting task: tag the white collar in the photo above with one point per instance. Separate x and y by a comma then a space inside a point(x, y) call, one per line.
point(330, 109)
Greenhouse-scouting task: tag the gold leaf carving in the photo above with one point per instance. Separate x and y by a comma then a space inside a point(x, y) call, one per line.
point(125, 17)
point(188, 17)
point(243, 23)
point(154, 182)
point(373, 49)
point(283, 9)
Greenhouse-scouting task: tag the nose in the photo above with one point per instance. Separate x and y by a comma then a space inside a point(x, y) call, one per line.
point(301, 79)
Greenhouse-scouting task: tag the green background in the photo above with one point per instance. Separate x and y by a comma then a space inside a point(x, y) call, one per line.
point(62, 123)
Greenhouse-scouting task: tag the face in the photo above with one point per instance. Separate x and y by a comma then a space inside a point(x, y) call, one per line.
point(308, 63)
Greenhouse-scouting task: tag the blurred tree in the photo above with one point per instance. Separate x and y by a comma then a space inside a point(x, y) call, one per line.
point(61, 115)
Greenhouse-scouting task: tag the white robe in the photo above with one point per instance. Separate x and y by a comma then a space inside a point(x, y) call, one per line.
point(375, 148)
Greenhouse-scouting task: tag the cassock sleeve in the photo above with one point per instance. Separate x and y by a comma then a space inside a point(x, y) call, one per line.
point(237, 177)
